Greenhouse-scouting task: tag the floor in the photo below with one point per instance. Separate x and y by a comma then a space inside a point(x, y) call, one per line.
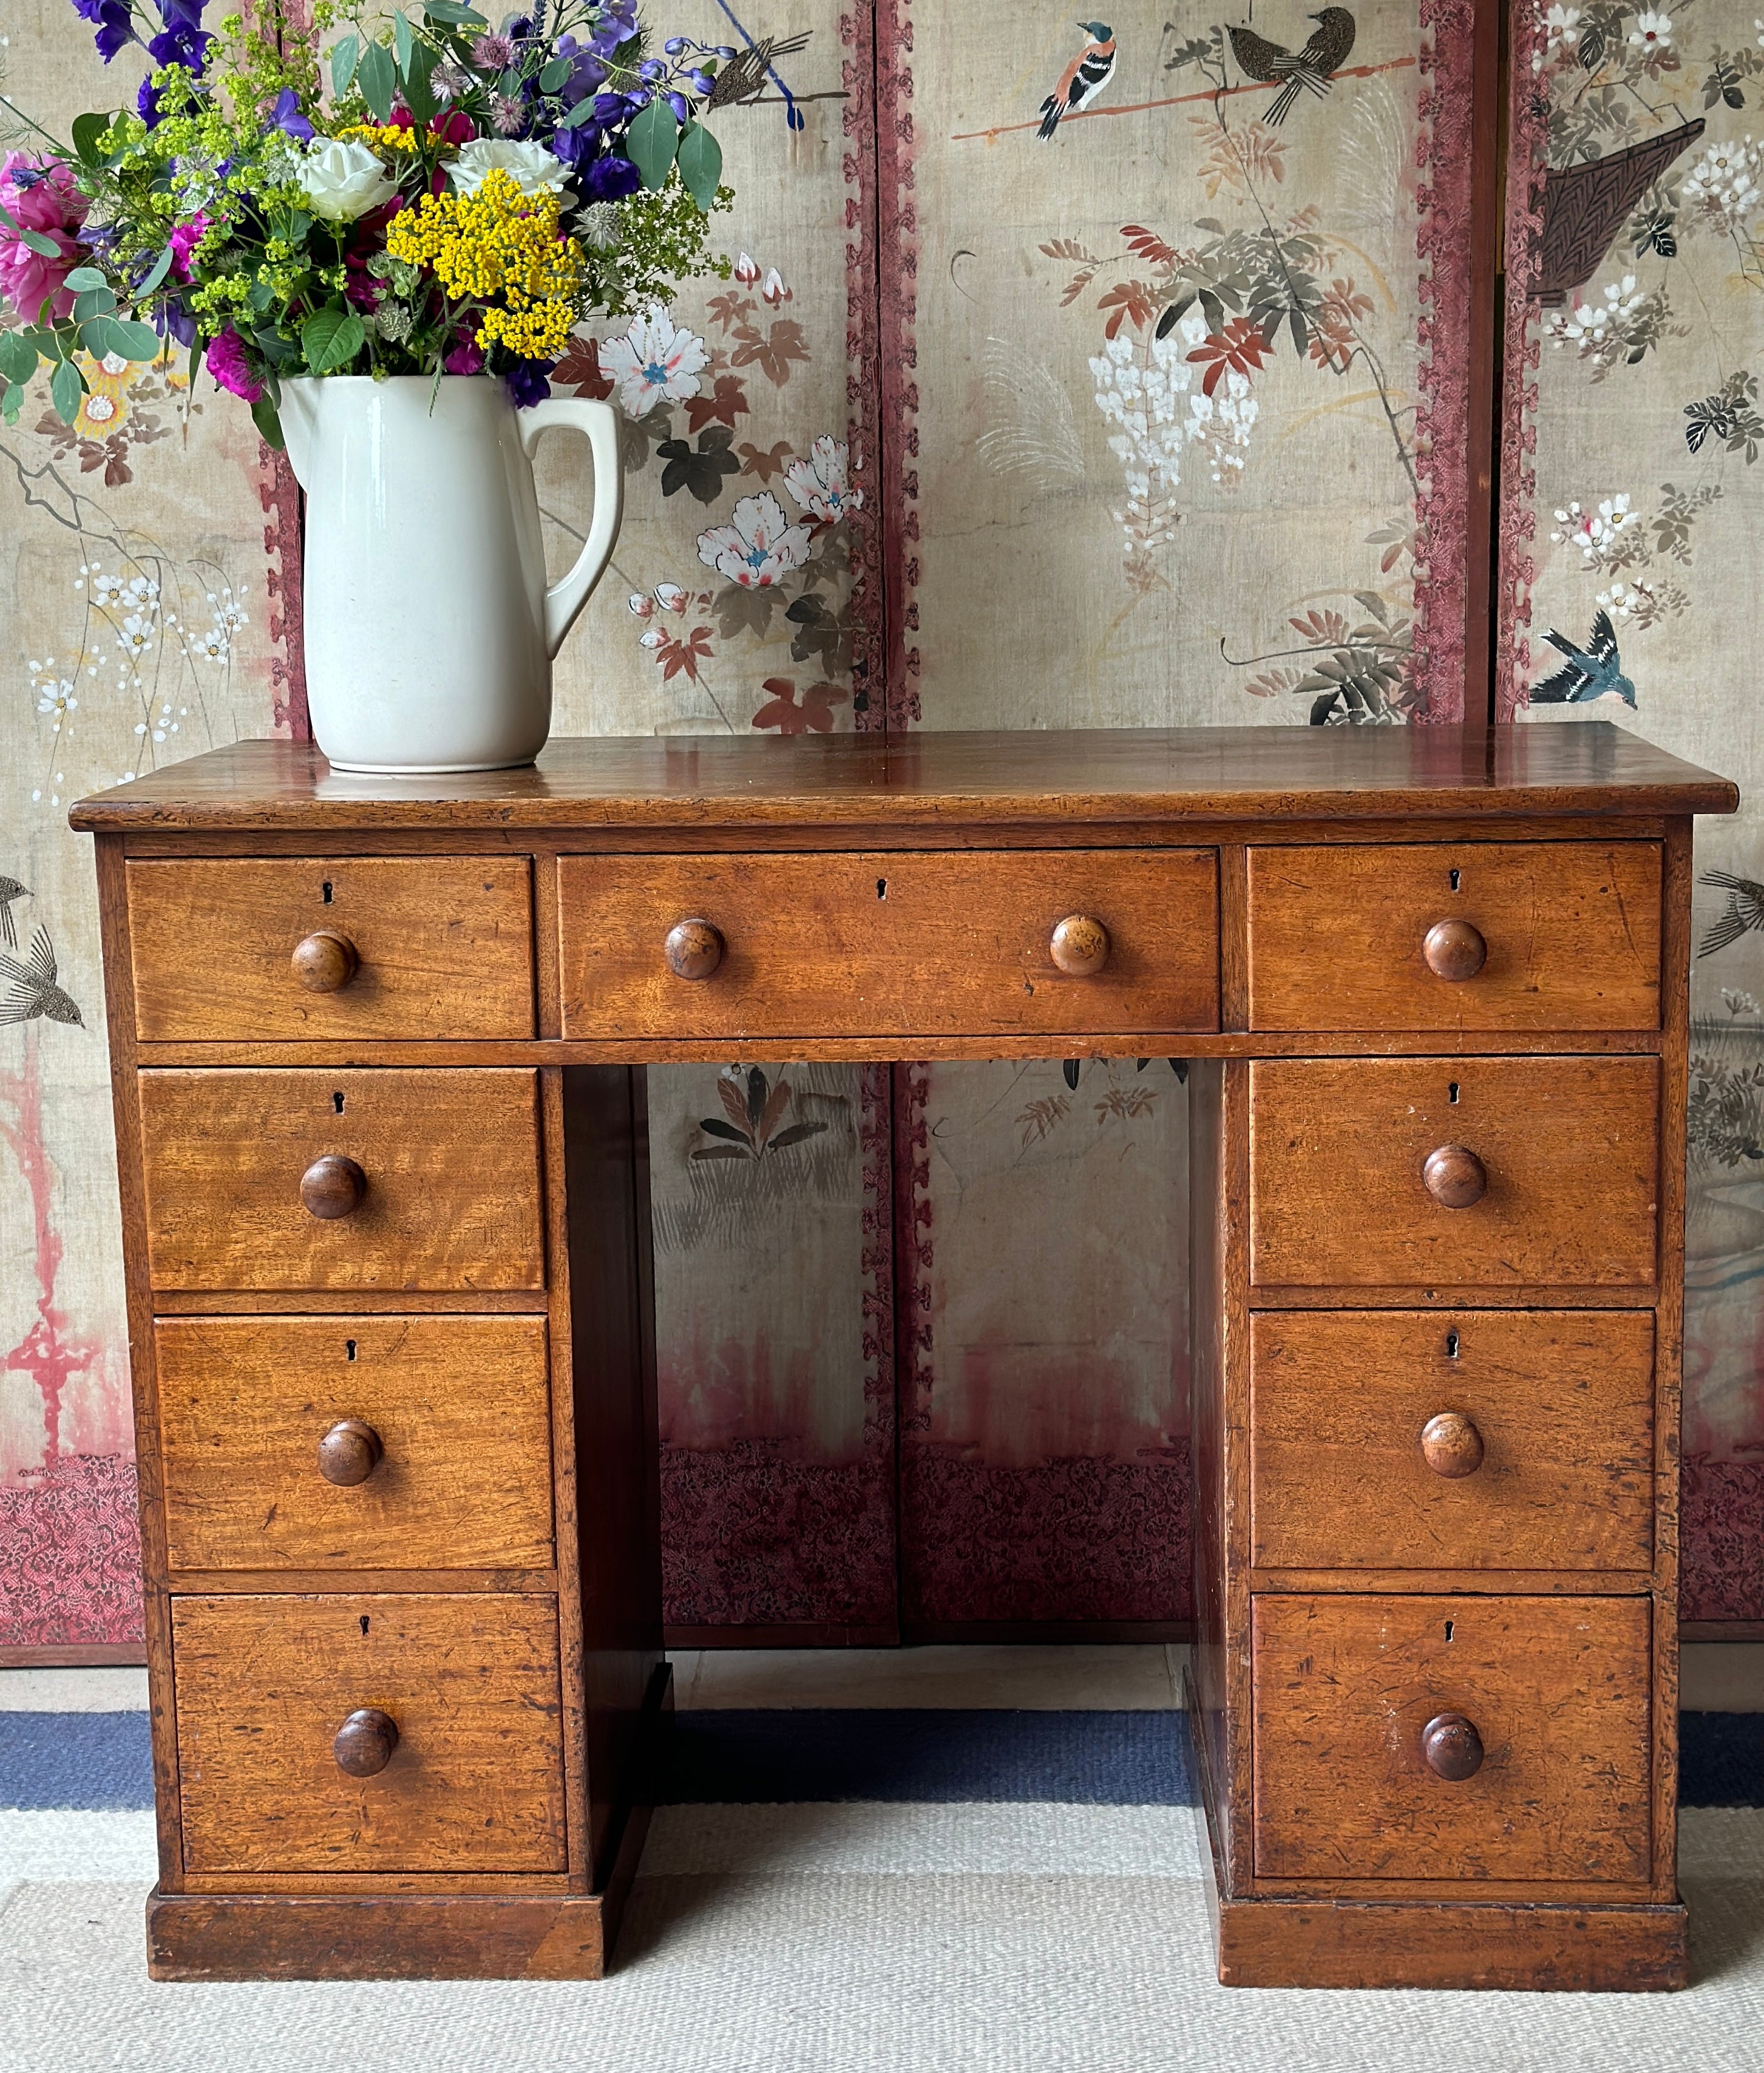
point(932, 1858)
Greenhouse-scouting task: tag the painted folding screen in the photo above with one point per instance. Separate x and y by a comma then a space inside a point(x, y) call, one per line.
point(1160, 418)
point(1633, 508)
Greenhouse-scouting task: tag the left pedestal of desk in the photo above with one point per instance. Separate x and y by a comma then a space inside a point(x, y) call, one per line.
point(394, 1393)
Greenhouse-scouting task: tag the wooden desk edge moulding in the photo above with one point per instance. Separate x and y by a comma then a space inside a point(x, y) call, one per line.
point(377, 1053)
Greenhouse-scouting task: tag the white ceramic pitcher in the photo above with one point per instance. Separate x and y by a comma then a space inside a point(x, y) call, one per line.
point(429, 629)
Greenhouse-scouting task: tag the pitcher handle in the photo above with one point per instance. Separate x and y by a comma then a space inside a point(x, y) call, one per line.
point(564, 599)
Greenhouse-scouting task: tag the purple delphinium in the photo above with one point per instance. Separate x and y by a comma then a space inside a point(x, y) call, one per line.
point(286, 117)
point(527, 381)
point(609, 180)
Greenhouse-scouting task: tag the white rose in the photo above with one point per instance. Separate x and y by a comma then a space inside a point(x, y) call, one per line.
point(532, 169)
point(343, 181)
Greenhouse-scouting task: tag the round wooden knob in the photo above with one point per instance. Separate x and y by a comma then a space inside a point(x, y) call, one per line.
point(1454, 950)
point(332, 1187)
point(1080, 946)
point(349, 1453)
point(693, 949)
point(1454, 1176)
point(363, 1745)
point(324, 962)
point(1451, 1445)
point(1452, 1746)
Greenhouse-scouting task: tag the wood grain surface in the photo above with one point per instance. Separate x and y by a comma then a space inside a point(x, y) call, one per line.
point(1558, 1688)
point(263, 1684)
point(1263, 773)
point(1563, 1401)
point(958, 941)
point(453, 1179)
point(1570, 1146)
point(1572, 932)
point(444, 945)
point(461, 1407)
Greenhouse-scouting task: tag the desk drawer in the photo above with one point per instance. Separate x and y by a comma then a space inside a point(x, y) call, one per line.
point(290, 949)
point(474, 1780)
point(449, 1180)
point(355, 1442)
point(1551, 1163)
point(1556, 1691)
point(1456, 936)
point(897, 944)
point(1484, 1440)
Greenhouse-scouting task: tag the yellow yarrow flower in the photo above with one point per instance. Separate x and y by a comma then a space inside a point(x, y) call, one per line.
point(390, 138)
point(499, 246)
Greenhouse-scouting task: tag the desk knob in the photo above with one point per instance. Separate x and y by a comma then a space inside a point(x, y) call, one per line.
point(1454, 950)
point(1079, 946)
point(350, 1452)
point(1454, 1176)
point(1451, 1445)
point(324, 962)
point(1452, 1746)
point(363, 1745)
point(693, 949)
point(333, 1187)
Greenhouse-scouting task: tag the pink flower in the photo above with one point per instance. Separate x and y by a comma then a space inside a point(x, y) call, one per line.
point(747, 270)
point(226, 361)
point(465, 356)
point(41, 197)
point(773, 290)
point(185, 237)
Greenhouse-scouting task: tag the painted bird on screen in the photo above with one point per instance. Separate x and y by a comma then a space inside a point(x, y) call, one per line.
point(1310, 68)
point(1743, 914)
point(1595, 671)
point(1083, 79)
point(31, 987)
point(10, 890)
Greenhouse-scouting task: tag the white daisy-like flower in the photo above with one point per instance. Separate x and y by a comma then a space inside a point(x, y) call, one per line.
point(136, 638)
point(1652, 32)
point(1562, 27)
point(655, 362)
point(108, 591)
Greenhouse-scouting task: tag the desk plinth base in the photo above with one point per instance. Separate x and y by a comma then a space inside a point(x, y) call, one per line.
point(1375, 1943)
point(392, 1936)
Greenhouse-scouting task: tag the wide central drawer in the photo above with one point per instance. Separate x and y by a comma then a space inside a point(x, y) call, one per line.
point(364, 1442)
point(1451, 1738)
point(293, 1180)
point(891, 944)
point(1429, 1172)
point(470, 1778)
point(1483, 1440)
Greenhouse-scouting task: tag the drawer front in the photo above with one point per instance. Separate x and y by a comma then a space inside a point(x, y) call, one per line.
point(1556, 1690)
point(901, 944)
point(1488, 1440)
point(449, 1163)
point(1566, 1148)
point(368, 1442)
point(430, 946)
point(475, 1779)
point(1456, 936)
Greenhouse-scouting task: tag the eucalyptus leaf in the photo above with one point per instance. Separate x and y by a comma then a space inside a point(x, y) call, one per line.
point(331, 338)
point(345, 55)
point(66, 387)
point(85, 277)
point(94, 303)
point(554, 75)
point(134, 341)
point(402, 43)
point(454, 14)
point(95, 336)
point(701, 165)
point(376, 79)
point(652, 141)
point(18, 356)
point(160, 268)
point(12, 402)
point(418, 95)
point(582, 112)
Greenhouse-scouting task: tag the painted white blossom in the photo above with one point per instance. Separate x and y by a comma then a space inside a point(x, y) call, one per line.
point(820, 484)
point(1562, 28)
point(1595, 532)
point(1591, 324)
point(1652, 32)
point(655, 362)
point(1723, 186)
point(757, 549)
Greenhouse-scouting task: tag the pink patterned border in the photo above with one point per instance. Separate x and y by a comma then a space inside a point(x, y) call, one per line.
point(279, 494)
point(864, 375)
point(1722, 1539)
point(897, 296)
point(1526, 155)
point(70, 1555)
point(1444, 202)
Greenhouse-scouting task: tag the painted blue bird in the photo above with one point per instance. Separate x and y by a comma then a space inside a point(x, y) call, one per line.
point(1083, 79)
point(1595, 671)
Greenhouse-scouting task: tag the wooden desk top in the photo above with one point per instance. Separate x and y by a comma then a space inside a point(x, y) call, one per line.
point(1175, 774)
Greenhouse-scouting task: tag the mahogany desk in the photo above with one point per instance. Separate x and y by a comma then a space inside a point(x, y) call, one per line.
point(378, 1052)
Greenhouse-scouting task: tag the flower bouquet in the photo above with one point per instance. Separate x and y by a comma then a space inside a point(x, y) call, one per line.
point(387, 273)
point(466, 197)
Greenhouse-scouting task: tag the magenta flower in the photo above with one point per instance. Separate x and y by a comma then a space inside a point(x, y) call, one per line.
point(39, 196)
point(465, 356)
point(185, 237)
point(226, 361)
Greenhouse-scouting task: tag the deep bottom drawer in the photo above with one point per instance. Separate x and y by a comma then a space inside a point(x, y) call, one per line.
point(474, 1782)
point(1556, 1690)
